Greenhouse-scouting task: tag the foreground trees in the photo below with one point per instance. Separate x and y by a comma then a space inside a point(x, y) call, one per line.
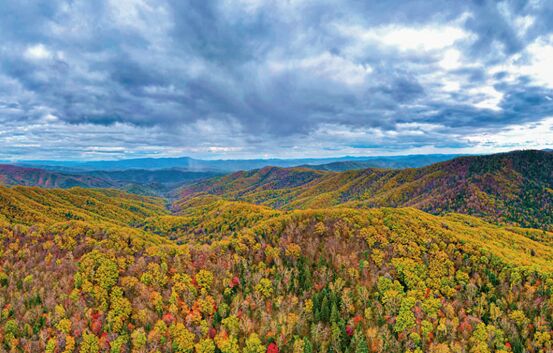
point(303, 281)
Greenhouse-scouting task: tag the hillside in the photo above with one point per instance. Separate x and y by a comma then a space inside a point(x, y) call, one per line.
point(143, 182)
point(514, 187)
point(168, 177)
point(230, 277)
point(34, 205)
point(15, 175)
point(243, 183)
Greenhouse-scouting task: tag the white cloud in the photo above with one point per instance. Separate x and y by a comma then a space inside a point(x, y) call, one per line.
point(451, 59)
point(426, 38)
point(523, 23)
point(150, 19)
point(541, 61)
point(38, 52)
point(486, 97)
point(412, 126)
point(535, 61)
point(407, 38)
point(223, 149)
point(50, 118)
point(533, 135)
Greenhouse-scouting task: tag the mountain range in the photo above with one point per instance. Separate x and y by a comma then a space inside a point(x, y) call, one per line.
point(163, 176)
point(229, 165)
point(146, 182)
point(514, 187)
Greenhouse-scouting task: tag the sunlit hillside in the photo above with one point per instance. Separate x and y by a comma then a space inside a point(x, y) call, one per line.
point(34, 205)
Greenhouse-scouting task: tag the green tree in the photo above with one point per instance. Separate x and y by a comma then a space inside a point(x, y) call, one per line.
point(361, 344)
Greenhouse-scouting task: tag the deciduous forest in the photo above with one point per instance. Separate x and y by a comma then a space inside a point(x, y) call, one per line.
point(454, 257)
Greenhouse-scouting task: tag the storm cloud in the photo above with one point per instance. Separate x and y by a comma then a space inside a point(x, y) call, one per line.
point(251, 78)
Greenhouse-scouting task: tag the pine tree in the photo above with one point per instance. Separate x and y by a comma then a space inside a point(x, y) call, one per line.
point(325, 309)
point(361, 346)
point(307, 345)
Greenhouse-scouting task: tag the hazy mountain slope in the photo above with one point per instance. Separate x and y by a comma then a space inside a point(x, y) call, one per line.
point(15, 175)
point(160, 182)
point(268, 179)
point(515, 187)
point(139, 181)
point(392, 162)
point(167, 177)
point(232, 165)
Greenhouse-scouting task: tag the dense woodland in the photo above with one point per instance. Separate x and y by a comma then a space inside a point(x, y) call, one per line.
point(97, 270)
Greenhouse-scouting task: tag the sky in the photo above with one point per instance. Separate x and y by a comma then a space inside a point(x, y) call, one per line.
point(111, 79)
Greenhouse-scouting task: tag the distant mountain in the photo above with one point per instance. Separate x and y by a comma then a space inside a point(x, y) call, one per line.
point(225, 166)
point(14, 175)
point(160, 176)
point(514, 187)
point(152, 182)
point(124, 164)
point(144, 182)
point(393, 162)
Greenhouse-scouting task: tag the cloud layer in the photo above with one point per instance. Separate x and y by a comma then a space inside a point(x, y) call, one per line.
point(250, 78)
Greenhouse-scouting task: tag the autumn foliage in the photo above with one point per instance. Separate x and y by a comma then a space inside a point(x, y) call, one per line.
point(104, 271)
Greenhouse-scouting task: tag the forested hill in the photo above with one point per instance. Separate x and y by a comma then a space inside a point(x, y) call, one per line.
point(15, 175)
point(515, 187)
point(144, 182)
point(39, 206)
point(230, 277)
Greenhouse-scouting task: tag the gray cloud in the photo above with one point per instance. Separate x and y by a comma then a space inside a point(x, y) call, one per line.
point(247, 78)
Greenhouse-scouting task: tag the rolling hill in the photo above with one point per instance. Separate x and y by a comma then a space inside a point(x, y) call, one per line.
point(15, 175)
point(515, 187)
point(35, 205)
point(234, 277)
point(143, 182)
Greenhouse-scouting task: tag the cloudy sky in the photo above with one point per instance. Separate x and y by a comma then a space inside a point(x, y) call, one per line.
point(108, 79)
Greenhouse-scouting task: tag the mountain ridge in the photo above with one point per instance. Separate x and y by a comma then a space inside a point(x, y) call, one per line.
point(148, 182)
point(231, 165)
point(514, 187)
